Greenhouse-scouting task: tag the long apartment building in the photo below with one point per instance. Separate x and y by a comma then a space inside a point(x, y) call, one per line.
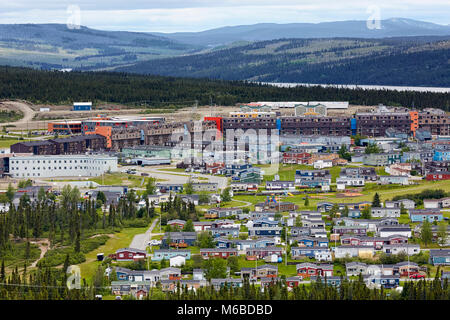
point(48, 166)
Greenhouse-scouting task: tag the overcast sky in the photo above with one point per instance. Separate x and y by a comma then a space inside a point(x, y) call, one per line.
point(198, 15)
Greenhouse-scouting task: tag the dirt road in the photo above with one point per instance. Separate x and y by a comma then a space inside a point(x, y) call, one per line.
point(28, 113)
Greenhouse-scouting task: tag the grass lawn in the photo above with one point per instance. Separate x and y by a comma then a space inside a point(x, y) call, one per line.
point(6, 143)
point(120, 178)
point(117, 241)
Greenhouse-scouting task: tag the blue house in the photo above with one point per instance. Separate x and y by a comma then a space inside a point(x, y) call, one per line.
point(224, 232)
point(265, 223)
point(354, 213)
point(166, 254)
point(166, 187)
point(420, 215)
point(334, 281)
point(324, 206)
point(441, 155)
point(298, 252)
point(264, 231)
point(386, 281)
point(257, 243)
point(439, 257)
point(224, 243)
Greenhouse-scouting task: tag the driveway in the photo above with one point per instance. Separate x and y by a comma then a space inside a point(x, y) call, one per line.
point(140, 240)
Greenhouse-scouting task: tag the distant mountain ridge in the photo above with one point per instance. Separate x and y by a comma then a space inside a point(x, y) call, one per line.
point(57, 46)
point(409, 61)
point(394, 27)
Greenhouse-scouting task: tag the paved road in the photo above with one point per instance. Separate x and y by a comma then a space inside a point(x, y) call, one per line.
point(140, 240)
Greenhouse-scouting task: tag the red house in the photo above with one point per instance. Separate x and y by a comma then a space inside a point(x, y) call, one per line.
point(293, 281)
point(433, 176)
point(223, 253)
point(296, 157)
point(306, 270)
point(176, 223)
point(129, 254)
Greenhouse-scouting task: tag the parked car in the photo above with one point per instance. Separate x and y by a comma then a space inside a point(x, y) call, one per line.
point(417, 276)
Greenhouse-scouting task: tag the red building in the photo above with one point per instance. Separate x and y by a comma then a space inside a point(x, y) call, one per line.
point(293, 281)
point(128, 254)
point(444, 175)
point(292, 157)
point(177, 224)
point(218, 253)
point(306, 270)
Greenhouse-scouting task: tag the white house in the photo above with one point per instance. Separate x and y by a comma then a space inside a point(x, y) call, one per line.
point(320, 164)
point(323, 256)
point(177, 261)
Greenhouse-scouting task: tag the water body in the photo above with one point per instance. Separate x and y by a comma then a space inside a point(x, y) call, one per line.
point(366, 87)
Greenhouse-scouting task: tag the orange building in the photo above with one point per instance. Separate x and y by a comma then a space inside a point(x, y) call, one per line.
point(64, 127)
point(414, 115)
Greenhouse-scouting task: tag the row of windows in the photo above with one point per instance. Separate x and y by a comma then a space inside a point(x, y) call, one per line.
point(56, 168)
point(58, 161)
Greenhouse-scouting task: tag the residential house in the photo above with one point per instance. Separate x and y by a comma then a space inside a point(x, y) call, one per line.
point(406, 248)
point(280, 185)
point(355, 268)
point(224, 232)
point(407, 204)
point(167, 254)
point(306, 270)
point(420, 215)
point(176, 224)
point(129, 254)
point(439, 257)
point(260, 253)
point(354, 251)
point(436, 203)
point(377, 212)
point(264, 231)
point(402, 230)
point(302, 252)
point(223, 253)
point(263, 271)
point(214, 213)
point(403, 180)
point(179, 239)
point(341, 230)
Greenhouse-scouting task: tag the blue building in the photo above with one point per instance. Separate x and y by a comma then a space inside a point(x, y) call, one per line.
point(82, 106)
point(441, 155)
point(265, 223)
point(420, 215)
point(224, 232)
point(439, 257)
point(264, 231)
point(354, 213)
point(297, 252)
point(386, 281)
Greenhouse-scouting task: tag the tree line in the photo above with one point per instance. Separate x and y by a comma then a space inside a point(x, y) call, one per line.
point(53, 87)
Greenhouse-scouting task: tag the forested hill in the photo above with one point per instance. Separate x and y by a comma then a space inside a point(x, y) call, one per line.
point(65, 87)
point(410, 61)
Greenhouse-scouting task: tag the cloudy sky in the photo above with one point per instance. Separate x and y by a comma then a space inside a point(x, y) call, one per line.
point(198, 15)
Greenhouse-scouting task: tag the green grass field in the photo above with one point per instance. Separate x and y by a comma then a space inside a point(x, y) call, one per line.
point(117, 241)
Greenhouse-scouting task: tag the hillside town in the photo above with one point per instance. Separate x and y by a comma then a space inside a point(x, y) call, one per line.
point(277, 192)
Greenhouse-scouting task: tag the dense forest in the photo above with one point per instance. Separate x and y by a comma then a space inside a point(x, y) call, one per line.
point(158, 91)
point(413, 61)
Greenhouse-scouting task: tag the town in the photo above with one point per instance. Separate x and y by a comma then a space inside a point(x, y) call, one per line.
point(270, 193)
